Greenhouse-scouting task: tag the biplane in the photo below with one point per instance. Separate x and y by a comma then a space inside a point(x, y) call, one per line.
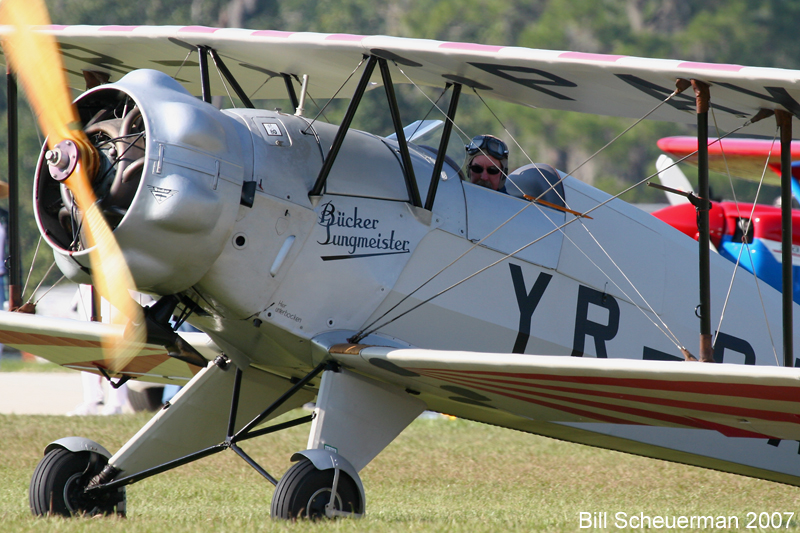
point(360, 271)
point(749, 234)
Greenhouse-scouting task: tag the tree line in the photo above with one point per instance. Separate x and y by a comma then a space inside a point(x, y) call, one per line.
point(748, 32)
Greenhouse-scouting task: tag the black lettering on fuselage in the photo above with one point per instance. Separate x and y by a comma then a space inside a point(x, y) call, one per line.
point(736, 344)
point(527, 302)
point(585, 327)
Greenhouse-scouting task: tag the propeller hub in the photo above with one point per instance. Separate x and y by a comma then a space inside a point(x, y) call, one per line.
point(62, 160)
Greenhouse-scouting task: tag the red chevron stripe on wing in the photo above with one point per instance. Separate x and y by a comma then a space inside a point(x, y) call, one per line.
point(609, 405)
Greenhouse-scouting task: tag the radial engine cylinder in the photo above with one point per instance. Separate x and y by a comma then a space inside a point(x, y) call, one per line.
point(169, 184)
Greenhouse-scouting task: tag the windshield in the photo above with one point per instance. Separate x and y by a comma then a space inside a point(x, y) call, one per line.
point(428, 133)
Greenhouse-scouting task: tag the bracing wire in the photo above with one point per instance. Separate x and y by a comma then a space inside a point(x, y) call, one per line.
point(665, 327)
point(367, 330)
point(745, 244)
point(435, 105)
point(364, 333)
point(30, 299)
point(360, 334)
point(322, 110)
point(585, 161)
point(53, 286)
point(36, 125)
point(588, 231)
point(222, 79)
point(308, 94)
point(33, 262)
point(260, 86)
point(185, 59)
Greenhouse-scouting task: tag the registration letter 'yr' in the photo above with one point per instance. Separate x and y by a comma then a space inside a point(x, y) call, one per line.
point(527, 302)
point(585, 327)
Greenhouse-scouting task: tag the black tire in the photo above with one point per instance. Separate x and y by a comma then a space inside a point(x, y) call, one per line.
point(148, 399)
point(303, 492)
point(57, 486)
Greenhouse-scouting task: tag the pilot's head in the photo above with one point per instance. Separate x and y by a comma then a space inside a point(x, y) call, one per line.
point(487, 162)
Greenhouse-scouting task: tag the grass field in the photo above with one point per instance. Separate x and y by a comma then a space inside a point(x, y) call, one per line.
point(439, 475)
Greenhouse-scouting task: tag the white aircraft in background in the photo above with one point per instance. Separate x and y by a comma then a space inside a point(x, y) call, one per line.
point(361, 272)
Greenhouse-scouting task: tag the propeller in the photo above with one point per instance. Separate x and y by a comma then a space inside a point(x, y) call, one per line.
point(35, 58)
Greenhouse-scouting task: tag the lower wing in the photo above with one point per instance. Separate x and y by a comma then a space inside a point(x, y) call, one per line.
point(721, 416)
point(77, 344)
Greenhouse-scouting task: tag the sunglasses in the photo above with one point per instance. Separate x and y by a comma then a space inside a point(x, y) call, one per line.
point(477, 169)
point(489, 145)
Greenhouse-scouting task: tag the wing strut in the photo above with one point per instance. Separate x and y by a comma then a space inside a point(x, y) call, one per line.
point(785, 123)
point(703, 97)
point(408, 169)
point(287, 80)
point(343, 127)
point(229, 77)
point(205, 84)
point(14, 267)
point(443, 142)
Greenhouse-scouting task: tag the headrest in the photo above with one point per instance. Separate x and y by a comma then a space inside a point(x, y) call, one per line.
point(533, 180)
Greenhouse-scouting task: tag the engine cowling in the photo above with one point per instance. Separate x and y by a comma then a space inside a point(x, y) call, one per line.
point(169, 183)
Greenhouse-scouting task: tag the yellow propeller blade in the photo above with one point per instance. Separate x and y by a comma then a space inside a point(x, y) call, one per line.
point(35, 59)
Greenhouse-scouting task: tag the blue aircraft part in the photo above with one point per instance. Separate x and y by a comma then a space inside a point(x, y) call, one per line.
point(761, 262)
point(795, 183)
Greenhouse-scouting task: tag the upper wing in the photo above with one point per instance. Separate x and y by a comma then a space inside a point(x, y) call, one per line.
point(592, 83)
point(76, 344)
point(745, 158)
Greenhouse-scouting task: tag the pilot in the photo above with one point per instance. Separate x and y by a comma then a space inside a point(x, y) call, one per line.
point(487, 162)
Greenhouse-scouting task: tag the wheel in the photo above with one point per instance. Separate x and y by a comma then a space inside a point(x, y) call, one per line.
point(57, 486)
point(304, 491)
point(147, 399)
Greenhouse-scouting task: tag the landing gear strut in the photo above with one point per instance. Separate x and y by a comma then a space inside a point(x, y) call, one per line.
point(322, 484)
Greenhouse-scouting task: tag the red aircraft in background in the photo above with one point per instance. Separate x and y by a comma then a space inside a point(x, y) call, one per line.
point(735, 224)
